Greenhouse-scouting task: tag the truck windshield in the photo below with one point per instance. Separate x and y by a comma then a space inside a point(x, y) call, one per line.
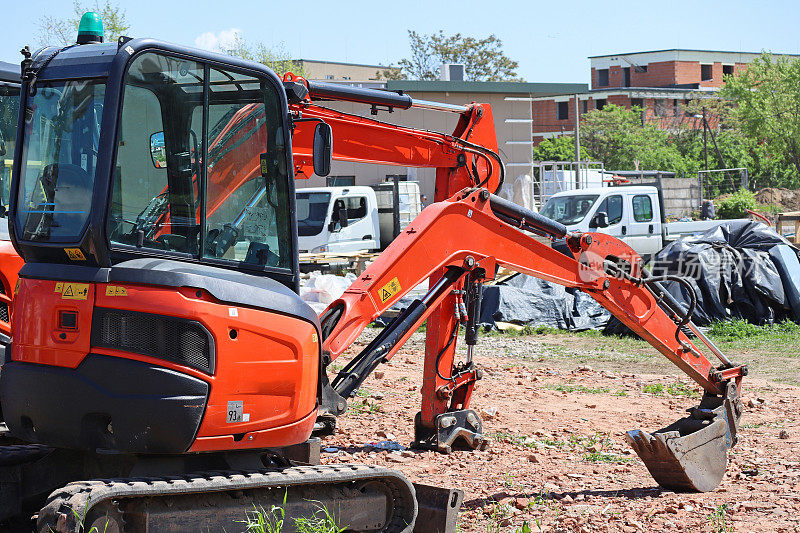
point(312, 209)
point(569, 209)
point(59, 155)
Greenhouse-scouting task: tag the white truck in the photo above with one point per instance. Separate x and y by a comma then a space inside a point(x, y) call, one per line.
point(632, 213)
point(355, 218)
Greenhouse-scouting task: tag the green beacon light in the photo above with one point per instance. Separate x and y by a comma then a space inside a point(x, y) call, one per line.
point(90, 29)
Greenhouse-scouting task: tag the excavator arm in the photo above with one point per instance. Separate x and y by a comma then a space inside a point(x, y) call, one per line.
point(457, 244)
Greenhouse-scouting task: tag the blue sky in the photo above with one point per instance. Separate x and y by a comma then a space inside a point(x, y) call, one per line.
point(550, 40)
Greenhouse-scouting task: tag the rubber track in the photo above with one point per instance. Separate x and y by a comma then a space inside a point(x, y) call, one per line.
point(57, 515)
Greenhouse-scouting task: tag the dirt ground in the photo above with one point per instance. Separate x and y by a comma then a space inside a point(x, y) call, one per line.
point(557, 459)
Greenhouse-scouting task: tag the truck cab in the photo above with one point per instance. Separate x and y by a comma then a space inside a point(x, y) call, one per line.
point(630, 213)
point(337, 219)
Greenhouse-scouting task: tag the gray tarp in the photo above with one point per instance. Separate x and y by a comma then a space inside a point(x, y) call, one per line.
point(527, 300)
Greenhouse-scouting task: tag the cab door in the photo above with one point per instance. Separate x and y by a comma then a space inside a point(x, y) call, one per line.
point(614, 206)
point(359, 233)
point(645, 223)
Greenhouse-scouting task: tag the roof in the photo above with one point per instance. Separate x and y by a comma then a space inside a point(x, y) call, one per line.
point(686, 50)
point(9, 72)
point(506, 87)
point(344, 63)
point(632, 189)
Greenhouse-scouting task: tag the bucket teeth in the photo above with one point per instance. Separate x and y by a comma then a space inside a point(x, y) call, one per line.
point(691, 454)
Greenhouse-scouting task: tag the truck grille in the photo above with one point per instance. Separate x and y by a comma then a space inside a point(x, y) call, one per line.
point(174, 339)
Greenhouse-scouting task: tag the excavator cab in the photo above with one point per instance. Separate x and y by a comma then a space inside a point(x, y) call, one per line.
point(154, 206)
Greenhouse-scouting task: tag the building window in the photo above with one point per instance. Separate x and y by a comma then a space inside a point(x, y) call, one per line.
point(340, 181)
point(345, 77)
point(563, 110)
point(706, 73)
point(600, 104)
point(328, 76)
point(584, 106)
point(660, 107)
point(727, 70)
point(626, 77)
point(602, 77)
point(642, 68)
point(637, 102)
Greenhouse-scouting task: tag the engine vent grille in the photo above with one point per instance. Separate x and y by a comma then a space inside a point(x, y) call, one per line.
point(4, 313)
point(174, 339)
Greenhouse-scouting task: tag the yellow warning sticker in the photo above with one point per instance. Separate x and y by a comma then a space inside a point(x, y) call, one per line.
point(16, 289)
point(73, 291)
point(75, 254)
point(114, 290)
point(59, 287)
point(389, 290)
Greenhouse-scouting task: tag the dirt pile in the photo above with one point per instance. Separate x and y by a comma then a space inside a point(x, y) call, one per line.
point(784, 199)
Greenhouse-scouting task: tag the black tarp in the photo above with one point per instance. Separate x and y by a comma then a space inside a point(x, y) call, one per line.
point(735, 271)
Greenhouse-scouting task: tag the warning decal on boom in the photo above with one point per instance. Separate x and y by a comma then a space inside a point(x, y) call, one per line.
point(389, 290)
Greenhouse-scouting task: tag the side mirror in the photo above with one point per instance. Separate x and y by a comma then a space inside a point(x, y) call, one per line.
point(342, 217)
point(323, 149)
point(600, 220)
point(158, 153)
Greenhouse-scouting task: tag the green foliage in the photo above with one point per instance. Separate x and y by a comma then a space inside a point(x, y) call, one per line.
point(741, 329)
point(719, 520)
point(767, 108)
point(322, 521)
point(260, 520)
point(54, 31)
point(483, 59)
point(556, 149)
point(276, 58)
point(736, 205)
point(676, 389)
point(616, 136)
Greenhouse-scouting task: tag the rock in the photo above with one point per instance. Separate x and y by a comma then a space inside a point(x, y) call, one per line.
point(488, 412)
point(575, 476)
point(567, 498)
point(670, 509)
point(396, 458)
point(378, 374)
point(783, 434)
point(584, 368)
point(533, 458)
point(376, 396)
point(580, 497)
point(522, 503)
point(408, 453)
point(591, 405)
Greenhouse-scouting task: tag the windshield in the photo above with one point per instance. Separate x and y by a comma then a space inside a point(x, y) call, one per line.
point(59, 157)
point(569, 209)
point(312, 209)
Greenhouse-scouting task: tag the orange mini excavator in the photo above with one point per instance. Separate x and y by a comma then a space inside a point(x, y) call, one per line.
point(164, 369)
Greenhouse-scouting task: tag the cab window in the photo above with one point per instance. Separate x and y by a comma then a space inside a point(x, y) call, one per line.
point(642, 208)
point(204, 180)
point(612, 205)
point(356, 208)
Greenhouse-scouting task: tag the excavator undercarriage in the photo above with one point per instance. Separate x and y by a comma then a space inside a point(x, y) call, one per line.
point(164, 370)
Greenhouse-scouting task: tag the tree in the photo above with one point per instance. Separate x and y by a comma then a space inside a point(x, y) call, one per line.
point(616, 136)
point(483, 59)
point(54, 31)
point(276, 58)
point(767, 99)
point(560, 148)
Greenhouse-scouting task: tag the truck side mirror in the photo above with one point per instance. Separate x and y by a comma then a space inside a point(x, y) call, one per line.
point(600, 220)
point(342, 217)
point(158, 153)
point(323, 147)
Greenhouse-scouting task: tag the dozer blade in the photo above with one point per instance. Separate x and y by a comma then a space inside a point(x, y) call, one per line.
point(691, 454)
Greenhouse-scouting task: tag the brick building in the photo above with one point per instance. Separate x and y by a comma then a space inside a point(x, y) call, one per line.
point(661, 82)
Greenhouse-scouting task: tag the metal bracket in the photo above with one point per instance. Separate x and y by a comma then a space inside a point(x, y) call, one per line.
point(438, 509)
point(460, 429)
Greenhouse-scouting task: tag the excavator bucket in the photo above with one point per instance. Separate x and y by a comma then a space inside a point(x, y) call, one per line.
point(691, 454)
